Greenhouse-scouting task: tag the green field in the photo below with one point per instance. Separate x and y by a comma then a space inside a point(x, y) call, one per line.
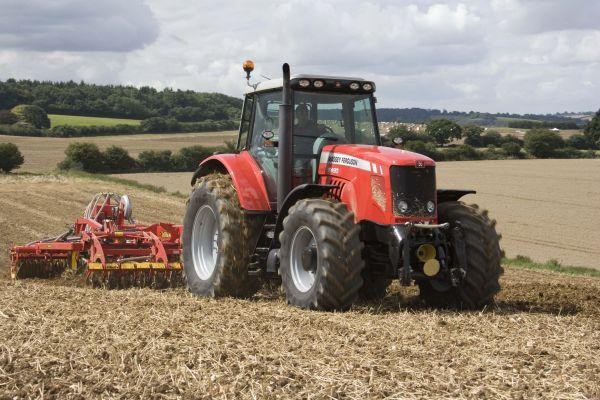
point(76, 120)
point(509, 119)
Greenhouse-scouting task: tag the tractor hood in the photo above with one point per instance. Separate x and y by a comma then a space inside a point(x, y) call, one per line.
point(370, 158)
point(366, 182)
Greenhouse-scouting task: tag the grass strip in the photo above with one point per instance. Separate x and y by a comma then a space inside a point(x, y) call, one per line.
point(551, 265)
point(122, 181)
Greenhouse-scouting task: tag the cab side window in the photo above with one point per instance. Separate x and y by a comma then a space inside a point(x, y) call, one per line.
point(267, 116)
point(266, 119)
point(246, 120)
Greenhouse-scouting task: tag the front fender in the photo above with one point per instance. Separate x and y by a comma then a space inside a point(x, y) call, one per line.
point(246, 176)
point(444, 195)
point(304, 191)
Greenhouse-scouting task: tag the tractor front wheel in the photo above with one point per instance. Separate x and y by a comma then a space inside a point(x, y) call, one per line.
point(216, 246)
point(482, 272)
point(320, 256)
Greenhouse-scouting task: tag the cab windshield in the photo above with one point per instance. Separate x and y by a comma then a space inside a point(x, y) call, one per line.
point(333, 118)
point(320, 119)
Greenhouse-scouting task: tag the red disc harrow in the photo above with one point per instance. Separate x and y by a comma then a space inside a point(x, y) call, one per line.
point(108, 247)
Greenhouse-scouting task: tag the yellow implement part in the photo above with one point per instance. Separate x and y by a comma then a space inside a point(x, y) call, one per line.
point(431, 267)
point(136, 265)
point(74, 258)
point(426, 252)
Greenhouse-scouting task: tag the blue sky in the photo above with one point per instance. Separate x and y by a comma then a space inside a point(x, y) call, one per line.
point(498, 56)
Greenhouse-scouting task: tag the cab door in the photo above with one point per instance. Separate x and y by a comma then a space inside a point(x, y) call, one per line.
point(265, 136)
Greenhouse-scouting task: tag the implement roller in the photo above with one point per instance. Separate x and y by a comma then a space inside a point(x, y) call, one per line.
point(108, 246)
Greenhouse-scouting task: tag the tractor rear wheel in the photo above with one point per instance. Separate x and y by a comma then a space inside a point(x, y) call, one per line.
point(320, 256)
point(482, 245)
point(216, 242)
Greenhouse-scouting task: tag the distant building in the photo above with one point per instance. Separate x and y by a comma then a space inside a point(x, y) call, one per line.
point(384, 127)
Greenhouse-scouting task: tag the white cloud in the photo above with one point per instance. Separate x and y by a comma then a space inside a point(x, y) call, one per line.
point(536, 16)
point(505, 55)
point(71, 25)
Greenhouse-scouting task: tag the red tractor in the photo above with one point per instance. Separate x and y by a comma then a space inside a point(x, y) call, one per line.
point(312, 197)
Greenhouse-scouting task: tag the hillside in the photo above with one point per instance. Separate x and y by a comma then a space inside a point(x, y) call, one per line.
point(422, 115)
point(119, 101)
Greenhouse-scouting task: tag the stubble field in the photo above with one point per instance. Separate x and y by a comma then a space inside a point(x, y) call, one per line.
point(540, 340)
point(546, 209)
point(42, 154)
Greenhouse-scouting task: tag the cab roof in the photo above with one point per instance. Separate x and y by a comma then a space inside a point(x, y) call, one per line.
point(278, 83)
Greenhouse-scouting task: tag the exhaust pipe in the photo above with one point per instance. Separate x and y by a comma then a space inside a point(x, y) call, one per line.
point(284, 177)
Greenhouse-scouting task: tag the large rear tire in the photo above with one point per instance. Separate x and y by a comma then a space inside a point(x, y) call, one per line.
point(216, 242)
point(320, 256)
point(483, 269)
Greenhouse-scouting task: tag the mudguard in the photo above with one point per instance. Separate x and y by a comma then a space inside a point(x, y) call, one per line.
point(304, 191)
point(444, 195)
point(246, 176)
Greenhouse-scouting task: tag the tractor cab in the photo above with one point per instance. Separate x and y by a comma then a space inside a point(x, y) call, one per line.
point(325, 111)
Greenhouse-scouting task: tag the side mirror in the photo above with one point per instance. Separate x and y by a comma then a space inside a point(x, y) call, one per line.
point(269, 139)
point(398, 140)
point(268, 135)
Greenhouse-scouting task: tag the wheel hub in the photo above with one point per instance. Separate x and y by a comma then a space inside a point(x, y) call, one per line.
point(205, 244)
point(304, 259)
point(309, 259)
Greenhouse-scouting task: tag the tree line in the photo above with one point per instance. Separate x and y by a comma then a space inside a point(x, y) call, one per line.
point(538, 142)
point(423, 115)
point(81, 156)
point(543, 124)
point(118, 101)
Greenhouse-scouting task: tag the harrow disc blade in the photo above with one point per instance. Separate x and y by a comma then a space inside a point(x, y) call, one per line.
point(39, 268)
point(176, 279)
point(142, 278)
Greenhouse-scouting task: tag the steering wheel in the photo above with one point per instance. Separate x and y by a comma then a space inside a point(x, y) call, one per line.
point(331, 135)
point(328, 129)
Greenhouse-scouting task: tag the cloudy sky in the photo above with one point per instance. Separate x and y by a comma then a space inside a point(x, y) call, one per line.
point(499, 55)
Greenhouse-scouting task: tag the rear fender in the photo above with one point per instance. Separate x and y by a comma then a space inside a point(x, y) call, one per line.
point(245, 174)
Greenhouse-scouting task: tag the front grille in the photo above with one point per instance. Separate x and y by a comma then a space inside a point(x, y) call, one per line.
point(414, 186)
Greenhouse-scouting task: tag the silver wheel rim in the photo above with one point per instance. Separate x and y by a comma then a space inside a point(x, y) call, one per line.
point(205, 245)
point(303, 273)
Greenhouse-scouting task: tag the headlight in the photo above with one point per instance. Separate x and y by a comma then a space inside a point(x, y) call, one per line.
point(402, 206)
point(304, 82)
point(430, 206)
point(367, 86)
point(354, 86)
point(378, 191)
point(318, 84)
